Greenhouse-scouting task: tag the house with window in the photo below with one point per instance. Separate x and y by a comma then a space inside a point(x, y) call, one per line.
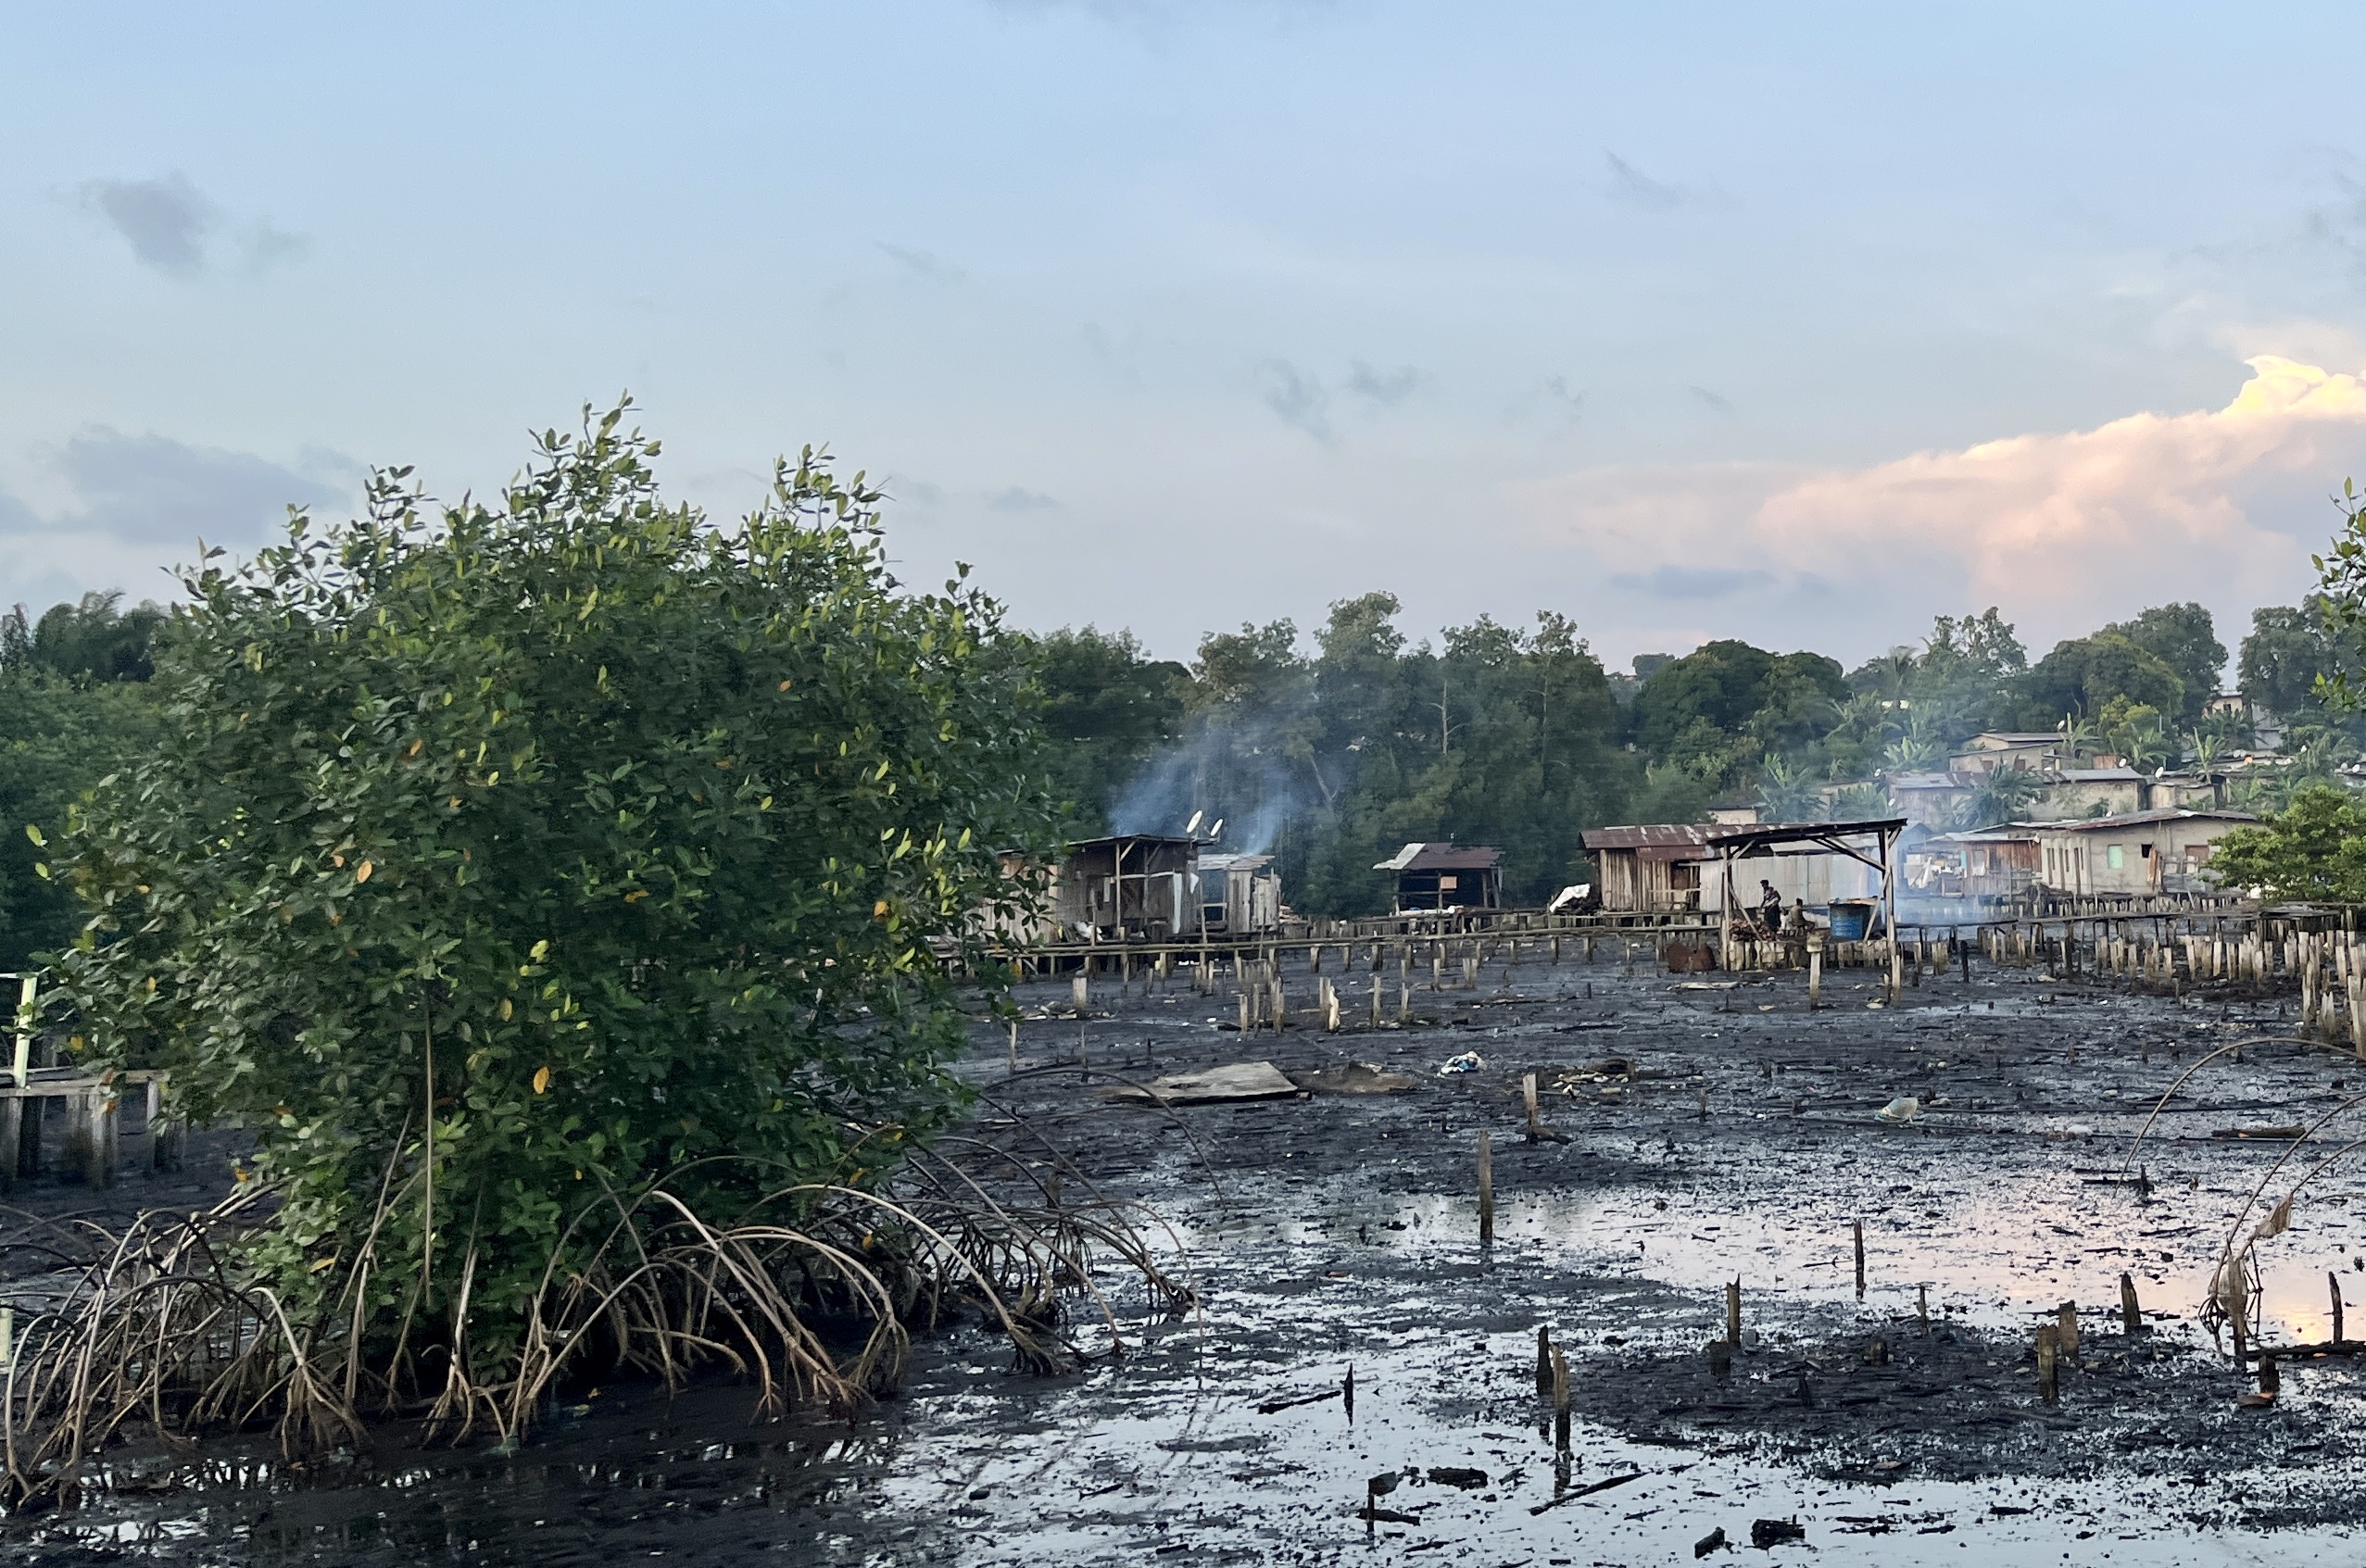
point(2135, 853)
point(2091, 792)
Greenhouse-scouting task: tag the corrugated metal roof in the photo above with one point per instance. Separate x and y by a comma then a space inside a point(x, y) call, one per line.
point(2141, 819)
point(1650, 837)
point(1442, 858)
point(2101, 775)
point(1235, 862)
point(1653, 835)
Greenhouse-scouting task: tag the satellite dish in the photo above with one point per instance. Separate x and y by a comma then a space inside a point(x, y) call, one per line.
point(1217, 831)
point(1193, 825)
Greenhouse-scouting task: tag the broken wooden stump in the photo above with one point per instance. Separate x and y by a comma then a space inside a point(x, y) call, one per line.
point(1560, 1401)
point(1486, 1188)
point(2132, 1318)
point(2048, 1371)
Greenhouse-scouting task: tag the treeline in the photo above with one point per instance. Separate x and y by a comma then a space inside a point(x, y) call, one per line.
point(1332, 749)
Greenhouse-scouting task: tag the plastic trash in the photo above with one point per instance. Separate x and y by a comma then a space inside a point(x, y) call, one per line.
point(1901, 1111)
point(1469, 1061)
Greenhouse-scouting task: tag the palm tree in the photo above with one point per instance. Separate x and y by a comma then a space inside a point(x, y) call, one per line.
point(2078, 737)
point(2145, 745)
point(1786, 793)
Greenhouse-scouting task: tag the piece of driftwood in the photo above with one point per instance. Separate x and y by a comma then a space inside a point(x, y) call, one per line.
point(2263, 1134)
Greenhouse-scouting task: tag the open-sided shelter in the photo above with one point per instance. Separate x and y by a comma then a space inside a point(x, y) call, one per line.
point(1446, 876)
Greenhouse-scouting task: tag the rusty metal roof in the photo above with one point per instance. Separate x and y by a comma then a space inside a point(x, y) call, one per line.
point(1646, 835)
point(1442, 858)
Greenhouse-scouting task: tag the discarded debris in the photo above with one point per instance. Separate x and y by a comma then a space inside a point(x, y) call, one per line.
point(1234, 1081)
point(1458, 1476)
point(1602, 1486)
point(1901, 1111)
point(1765, 1533)
point(2263, 1134)
point(1468, 1061)
point(1352, 1078)
point(1714, 1541)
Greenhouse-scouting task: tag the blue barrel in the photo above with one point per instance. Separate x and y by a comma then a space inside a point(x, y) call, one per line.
point(1851, 918)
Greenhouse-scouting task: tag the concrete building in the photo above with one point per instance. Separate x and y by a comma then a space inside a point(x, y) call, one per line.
point(2028, 751)
point(2135, 853)
point(2090, 792)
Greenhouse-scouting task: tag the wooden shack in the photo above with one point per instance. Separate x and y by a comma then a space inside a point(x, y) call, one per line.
point(1446, 876)
point(1239, 895)
point(1139, 885)
point(1649, 869)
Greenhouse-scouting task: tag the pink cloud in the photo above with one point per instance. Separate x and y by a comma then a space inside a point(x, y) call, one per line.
point(2063, 530)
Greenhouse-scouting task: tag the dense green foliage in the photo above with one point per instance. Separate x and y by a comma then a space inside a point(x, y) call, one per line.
point(495, 858)
point(72, 709)
point(2314, 848)
point(1333, 756)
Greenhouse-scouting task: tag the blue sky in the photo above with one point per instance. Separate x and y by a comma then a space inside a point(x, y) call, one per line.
point(1802, 324)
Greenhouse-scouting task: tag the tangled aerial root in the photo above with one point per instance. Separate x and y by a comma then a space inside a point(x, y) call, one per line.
point(811, 1294)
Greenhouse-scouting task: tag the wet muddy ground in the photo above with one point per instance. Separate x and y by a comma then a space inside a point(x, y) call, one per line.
point(1711, 1135)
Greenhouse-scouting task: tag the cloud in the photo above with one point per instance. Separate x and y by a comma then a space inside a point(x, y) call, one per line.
point(2065, 530)
point(1632, 187)
point(264, 245)
point(1016, 499)
point(1386, 388)
point(171, 226)
point(1298, 399)
point(922, 263)
point(918, 492)
point(165, 221)
point(1690, 582)
point(151, 488)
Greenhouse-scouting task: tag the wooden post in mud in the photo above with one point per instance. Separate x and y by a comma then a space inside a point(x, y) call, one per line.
point(1922, 1308)
point(1014, 1051)
point(1486, 1188)
point(1376, 999)
point(1560, 1401)
point(1733, 1315)
point(2131, 1317)
point(2334, 1280)
point(1527, 1099)
point(2065, 1332)
point(1080, 992)
point(1544, 1361)
point(1404, 1003)
point(2049, 1388)
point(1858, 1226)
